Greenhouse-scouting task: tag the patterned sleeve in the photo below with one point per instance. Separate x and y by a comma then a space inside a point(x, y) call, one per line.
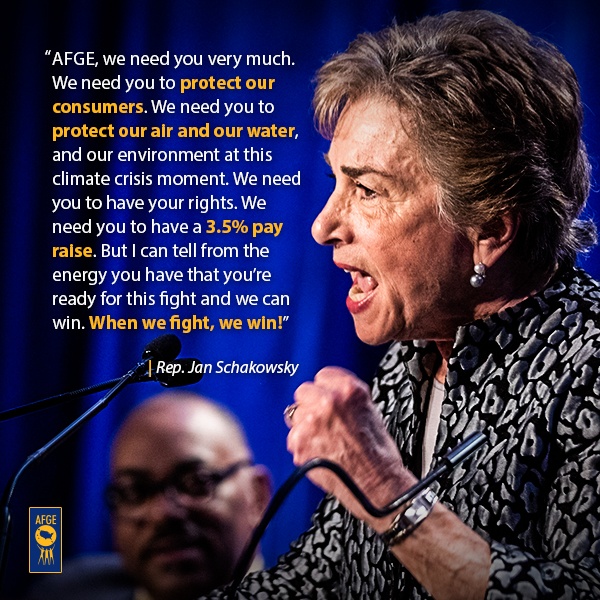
point(569, 565)
point(307, 570)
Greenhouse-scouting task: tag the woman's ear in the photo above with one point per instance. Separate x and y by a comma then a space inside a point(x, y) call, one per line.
point(494, 238)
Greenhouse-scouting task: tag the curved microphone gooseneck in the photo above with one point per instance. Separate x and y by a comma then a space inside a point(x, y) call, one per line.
point(165, 347)
point(452, 458)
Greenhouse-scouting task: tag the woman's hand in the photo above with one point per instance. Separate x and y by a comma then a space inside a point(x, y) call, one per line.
point(335, 418)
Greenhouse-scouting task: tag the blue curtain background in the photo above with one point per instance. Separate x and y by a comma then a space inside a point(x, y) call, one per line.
point(39, 361)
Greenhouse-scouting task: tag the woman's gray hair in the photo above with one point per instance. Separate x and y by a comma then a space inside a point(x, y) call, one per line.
point(496, 115)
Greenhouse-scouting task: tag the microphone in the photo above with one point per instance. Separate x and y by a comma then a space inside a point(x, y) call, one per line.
point(165, 347)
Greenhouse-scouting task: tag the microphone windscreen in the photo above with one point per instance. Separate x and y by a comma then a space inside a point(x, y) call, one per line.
point(183, 371)
point(165, 347)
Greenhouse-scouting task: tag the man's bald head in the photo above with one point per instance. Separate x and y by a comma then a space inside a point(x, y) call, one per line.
point(182, 415)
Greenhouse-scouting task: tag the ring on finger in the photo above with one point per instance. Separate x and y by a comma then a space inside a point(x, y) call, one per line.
point(288, 414)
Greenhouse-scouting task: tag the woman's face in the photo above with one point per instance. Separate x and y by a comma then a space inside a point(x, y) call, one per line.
point(410, 274)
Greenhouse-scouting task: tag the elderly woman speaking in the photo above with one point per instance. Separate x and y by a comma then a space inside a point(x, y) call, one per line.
point(459, 179)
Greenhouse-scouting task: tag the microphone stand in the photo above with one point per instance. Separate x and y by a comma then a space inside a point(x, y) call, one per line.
point(25, 409)
point(67, 432)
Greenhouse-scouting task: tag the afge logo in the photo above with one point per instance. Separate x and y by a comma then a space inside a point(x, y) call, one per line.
point(45, 548)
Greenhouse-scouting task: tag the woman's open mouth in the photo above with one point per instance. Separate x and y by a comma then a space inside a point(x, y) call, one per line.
point(361, 291)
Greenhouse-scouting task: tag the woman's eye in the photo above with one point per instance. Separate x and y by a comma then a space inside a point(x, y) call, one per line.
point(367, 192)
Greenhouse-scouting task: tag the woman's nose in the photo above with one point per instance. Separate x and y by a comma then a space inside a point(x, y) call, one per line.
point(330, 226)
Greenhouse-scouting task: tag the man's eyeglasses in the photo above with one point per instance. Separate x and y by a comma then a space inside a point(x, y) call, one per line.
point(128, 499)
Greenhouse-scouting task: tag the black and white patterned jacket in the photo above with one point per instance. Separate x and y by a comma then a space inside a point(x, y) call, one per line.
point(528, 378)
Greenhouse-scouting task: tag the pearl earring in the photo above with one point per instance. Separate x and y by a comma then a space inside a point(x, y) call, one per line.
point(478, 278)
